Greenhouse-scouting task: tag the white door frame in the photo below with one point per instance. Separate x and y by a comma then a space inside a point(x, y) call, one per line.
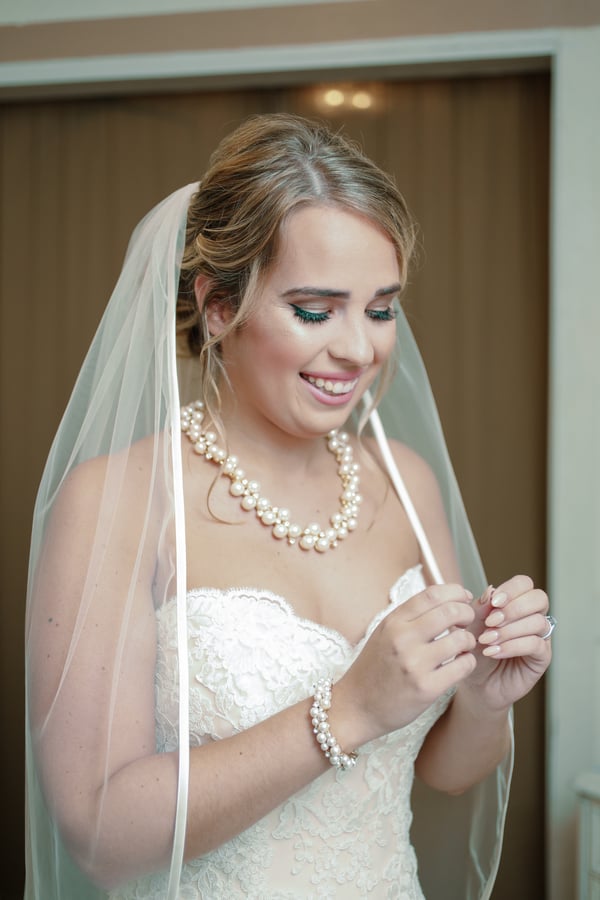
point(573, 57)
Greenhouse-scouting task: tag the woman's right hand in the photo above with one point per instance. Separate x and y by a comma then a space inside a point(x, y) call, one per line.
point(419, 651)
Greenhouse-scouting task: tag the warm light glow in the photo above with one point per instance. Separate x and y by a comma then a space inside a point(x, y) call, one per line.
point(362, 100)
point(334, 97)
point(346, 97)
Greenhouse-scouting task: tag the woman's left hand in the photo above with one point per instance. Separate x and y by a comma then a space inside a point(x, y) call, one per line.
point(512, 655)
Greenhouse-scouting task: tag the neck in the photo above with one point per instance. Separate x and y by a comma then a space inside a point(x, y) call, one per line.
point(256, 438)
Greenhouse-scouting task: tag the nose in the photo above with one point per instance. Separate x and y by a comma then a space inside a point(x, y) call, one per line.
point(353, 342)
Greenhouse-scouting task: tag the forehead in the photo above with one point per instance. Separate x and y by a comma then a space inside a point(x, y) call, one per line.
point(329, 238)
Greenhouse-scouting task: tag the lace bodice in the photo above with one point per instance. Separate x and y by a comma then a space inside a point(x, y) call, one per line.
point(345, 835)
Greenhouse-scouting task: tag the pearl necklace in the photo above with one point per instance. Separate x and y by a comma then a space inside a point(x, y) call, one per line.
point(274, 517)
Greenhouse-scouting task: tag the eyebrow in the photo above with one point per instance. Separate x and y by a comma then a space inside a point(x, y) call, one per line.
point(329, 292)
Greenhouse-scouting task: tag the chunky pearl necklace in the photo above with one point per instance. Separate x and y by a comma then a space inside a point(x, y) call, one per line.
point(274, 517)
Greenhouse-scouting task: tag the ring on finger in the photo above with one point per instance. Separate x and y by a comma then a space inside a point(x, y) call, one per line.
point(551, 626)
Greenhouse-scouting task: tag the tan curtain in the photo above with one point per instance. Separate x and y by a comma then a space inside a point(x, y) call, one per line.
point(471, 156)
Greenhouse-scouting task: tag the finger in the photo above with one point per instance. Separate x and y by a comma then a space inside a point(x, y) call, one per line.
point(533, 601)
point(498, 597)
point(536, 624)
point(487, 596)
point(446, 648)
point(451, 672)
point(435, 624)
point(531, 645)
point(433, 597)
point(518, 584)
point(431, 625)
point(485, 604)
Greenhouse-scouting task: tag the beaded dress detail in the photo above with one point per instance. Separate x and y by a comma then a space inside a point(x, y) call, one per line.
point(346, 835)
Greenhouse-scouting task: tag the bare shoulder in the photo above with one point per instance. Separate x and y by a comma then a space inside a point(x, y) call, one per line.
point(124, 477)
point(424, 491)
point(416, 472)
point(117, 497)
point(100, 530)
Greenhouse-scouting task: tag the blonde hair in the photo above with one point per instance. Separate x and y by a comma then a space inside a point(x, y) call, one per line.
point(257, 176)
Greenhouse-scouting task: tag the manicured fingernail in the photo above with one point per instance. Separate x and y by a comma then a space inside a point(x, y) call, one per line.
point(494, 619)
point(488, 637)
point(491, 651)
point(469, 595)
point(487, 594)
point(499, 599)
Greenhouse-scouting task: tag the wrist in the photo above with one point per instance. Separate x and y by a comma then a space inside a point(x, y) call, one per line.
point(319, 713)
point(475, 698)
point(348, 718)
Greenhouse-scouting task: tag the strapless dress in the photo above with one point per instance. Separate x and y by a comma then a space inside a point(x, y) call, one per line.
point(347, 834)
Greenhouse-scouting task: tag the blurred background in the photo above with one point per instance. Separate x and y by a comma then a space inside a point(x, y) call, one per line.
point(102, 117)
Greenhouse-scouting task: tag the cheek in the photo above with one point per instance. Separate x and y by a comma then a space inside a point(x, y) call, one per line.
point(386, 344)
point(293, 346)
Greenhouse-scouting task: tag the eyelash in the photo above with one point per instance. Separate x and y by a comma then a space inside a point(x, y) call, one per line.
point(316, 318)
point(382, 315)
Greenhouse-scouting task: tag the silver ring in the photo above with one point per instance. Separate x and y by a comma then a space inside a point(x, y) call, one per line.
point(551, 626)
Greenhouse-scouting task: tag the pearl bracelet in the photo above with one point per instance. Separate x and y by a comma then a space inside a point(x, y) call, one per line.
point(320, 722)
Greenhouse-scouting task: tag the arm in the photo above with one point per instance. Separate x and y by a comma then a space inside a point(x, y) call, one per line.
point(512, 655)
point(92, 657)
point(474, 734)
point(466, 743)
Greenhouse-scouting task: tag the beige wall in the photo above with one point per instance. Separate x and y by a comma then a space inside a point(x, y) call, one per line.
point(288, 25)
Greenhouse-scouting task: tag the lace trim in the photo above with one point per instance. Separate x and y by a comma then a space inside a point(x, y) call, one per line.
point(258, 595)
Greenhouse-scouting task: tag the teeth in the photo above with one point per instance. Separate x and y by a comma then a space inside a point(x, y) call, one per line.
point(333, 387)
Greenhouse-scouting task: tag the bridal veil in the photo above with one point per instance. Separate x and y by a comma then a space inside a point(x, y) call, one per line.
point(111, 503)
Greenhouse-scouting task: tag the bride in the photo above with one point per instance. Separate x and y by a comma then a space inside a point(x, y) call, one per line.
point(251, 615)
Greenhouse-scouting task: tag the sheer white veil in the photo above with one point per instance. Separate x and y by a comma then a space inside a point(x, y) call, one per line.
point(124, 409)
point(114, 480)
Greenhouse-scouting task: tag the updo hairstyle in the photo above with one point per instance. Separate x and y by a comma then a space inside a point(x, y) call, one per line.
point(259, 174)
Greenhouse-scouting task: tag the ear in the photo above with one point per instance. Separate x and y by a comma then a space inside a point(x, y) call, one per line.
point(217, 310)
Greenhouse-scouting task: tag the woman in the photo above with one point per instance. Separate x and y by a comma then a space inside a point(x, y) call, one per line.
point(228, 696)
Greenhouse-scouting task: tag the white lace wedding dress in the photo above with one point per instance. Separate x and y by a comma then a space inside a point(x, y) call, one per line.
point(346, 835)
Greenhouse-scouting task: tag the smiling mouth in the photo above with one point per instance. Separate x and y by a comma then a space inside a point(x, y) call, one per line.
point(332, 387)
